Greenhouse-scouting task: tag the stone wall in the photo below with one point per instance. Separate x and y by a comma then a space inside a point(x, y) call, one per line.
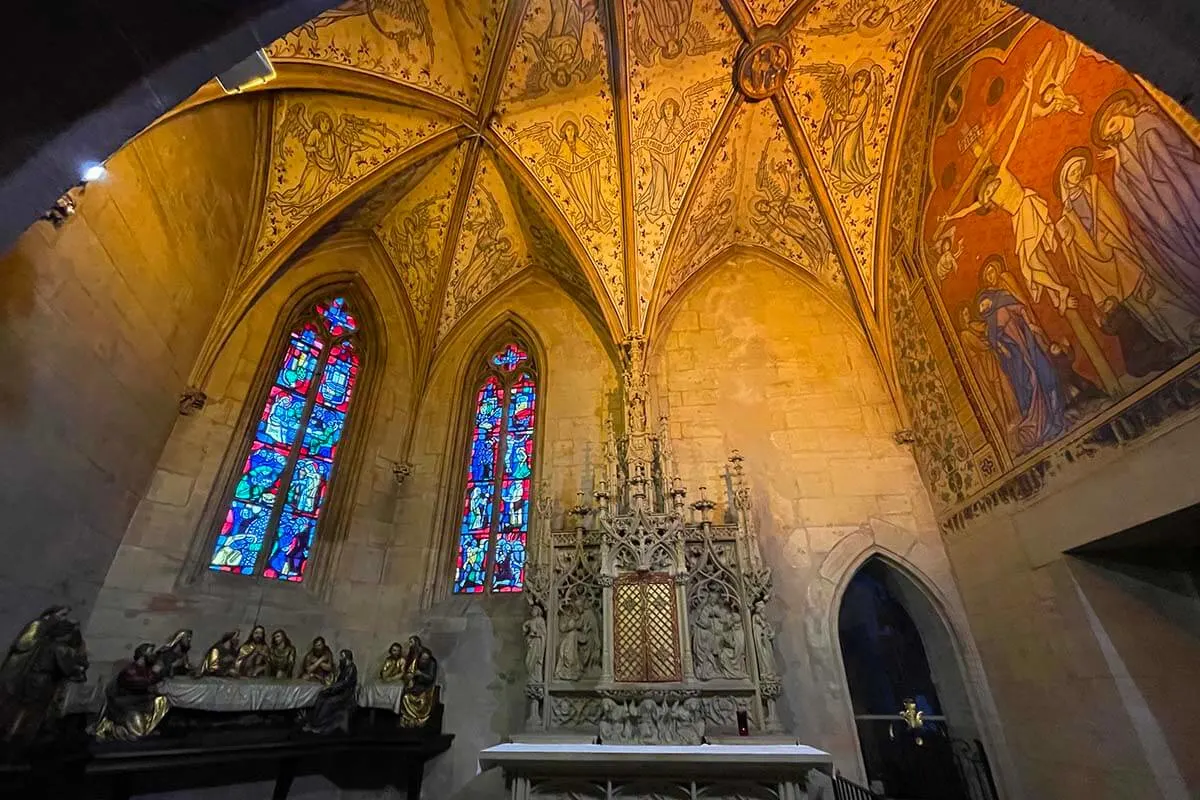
point(395, 567)
point(754, 359)
point(101, 321)
point(1092, 671)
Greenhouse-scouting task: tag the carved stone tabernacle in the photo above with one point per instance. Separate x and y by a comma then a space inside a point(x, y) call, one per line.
point(646, 621)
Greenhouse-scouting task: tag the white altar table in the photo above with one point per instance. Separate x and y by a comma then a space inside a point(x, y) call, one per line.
point(545, 770)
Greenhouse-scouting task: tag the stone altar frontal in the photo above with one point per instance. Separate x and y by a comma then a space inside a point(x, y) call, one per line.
point(557, 771)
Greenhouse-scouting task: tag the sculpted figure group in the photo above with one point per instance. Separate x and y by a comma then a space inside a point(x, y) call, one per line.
point(49, 652)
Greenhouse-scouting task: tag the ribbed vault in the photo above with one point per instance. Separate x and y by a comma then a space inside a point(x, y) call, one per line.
point(611, 145)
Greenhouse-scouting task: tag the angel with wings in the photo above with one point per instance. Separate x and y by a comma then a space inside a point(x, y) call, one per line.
point(328, 149)
point(869, 18)
point(711, 222)
point(1052, 96)
point(559, 55)
point(579, 158)
point(398, 20)
point(491, 253)
point(853, 103)
point(667, 128)
point(666, 28)
point(777, 210)
point(409, 241)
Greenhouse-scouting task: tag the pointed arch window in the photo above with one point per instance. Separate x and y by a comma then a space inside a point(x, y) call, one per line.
point(271, 520)
point(494, 526)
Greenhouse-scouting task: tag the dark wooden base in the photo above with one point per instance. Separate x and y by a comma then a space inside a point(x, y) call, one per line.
point(375, 754)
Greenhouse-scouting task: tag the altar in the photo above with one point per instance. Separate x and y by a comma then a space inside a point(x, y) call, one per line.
point(557, 771)
point(650, 660)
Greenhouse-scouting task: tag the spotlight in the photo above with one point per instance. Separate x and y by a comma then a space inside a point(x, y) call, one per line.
point(93, 172)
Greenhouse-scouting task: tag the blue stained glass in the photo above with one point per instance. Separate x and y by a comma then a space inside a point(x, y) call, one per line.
point(293, 541)
point(309, 483)
point(241, 538)
point(337, 316)
point(477, 509)
point(513, 524)
point(280, 422)
point(338, 378)
point(510, 564)
point(323, 433)
point(472, 564)
point(300, 361)
point(260, 475)
point(508, 358)
point(245, 530)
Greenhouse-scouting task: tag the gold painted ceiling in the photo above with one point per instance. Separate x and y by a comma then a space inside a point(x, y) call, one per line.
point(616, 145)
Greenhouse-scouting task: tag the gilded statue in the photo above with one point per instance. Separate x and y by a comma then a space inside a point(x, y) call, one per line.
point(171, 660)
point(133, 708)
point(392, 669)
point(420, 676)
point(254, 657)
point(221, 659)
point(317, 664)
point(336, 702)
point(47, 653)
point(281, 655)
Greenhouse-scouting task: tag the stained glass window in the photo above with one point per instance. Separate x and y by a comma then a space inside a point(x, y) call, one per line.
point(494, 526)
point(284, 483)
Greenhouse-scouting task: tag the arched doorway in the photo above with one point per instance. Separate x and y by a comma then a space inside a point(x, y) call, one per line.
point(912, 714)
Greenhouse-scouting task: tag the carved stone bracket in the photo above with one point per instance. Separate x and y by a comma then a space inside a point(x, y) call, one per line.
point(401, 472)
point(191, 401)
point(905, 436)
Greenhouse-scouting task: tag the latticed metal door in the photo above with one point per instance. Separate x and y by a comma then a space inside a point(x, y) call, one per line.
point(645, 630)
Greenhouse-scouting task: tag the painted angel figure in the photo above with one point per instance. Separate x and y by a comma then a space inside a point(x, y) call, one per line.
point(853, 101)
point(409, 240)
point(948, 249)
point(777, 210)
point(869, 18)
point(492, 251)
point(398, 20)
point(559, 56)
point(328, 148)
point(667, 129)
point(1052, 96)
point(579, 157)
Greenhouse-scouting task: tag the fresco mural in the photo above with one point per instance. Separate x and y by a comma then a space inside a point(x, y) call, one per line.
point(320, 144)
point(1062, 231)
point(556, 112)
point(678, 67)
point(398, 40)
point(849, 59)
point(414, 232)
point(490, 247)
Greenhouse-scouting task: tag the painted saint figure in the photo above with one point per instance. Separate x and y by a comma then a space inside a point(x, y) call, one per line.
point(578, 155)
point(1022, 349)
point(1106, 260)
point(1156, 175)
point(997, 389)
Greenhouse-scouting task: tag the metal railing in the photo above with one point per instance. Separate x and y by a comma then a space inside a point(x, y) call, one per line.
point(849, 790)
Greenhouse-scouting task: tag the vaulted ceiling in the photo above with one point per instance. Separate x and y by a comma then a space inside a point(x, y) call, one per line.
point(618, 146)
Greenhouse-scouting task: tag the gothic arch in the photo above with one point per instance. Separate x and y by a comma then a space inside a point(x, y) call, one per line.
point(953, 658)
point(507, 328)
point(326, 551)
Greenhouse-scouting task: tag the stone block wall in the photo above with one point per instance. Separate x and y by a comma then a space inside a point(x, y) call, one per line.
point(757, 360)
point(1091, 670)
point(101, 320)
